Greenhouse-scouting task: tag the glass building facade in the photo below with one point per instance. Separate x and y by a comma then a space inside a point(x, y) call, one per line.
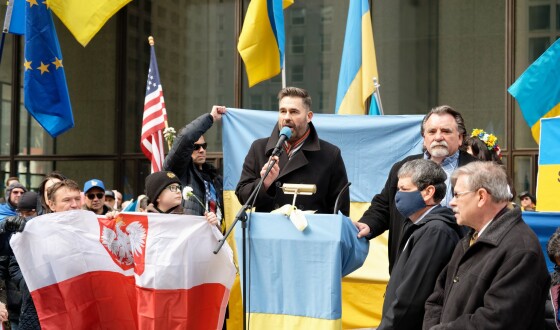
point(461, 53)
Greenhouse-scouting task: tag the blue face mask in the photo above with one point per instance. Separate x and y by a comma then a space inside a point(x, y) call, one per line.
point(408, 202)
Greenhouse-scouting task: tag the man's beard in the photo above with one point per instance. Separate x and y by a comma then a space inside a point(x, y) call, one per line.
point(436, 149)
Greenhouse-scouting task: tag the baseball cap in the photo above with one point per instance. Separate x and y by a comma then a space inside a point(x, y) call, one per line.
point(93, 183)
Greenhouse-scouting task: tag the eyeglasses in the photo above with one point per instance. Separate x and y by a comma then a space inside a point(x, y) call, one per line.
point(174, 188)
point(197, 146)
point(92, 196)
point(17, 192)
point(459, 194)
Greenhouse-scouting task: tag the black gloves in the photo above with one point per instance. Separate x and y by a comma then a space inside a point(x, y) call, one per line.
point(13, 224)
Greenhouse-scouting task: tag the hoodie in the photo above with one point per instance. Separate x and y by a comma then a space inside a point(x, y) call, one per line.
point(424, 250)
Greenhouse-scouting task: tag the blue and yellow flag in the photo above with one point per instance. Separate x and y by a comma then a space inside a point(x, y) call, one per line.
point(84, 18)
point(548, 180)
point(359, 65)
point(262, 39)
point(363, 141)
point(537, 90)
point(46, 93)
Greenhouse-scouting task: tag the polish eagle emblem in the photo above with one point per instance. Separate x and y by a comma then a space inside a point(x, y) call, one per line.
point(124, 243)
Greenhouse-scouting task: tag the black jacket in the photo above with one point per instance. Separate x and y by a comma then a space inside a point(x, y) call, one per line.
point(382, 214)
point(500, 282)
point(429, 245)
point(179, 161)
point(317, 162)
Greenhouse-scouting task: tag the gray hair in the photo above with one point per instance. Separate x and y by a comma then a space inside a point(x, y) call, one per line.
point(446, 110)
point(424, 173)
point(488, 175)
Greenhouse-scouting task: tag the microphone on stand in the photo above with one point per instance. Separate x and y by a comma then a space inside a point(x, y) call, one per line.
point(285, 134)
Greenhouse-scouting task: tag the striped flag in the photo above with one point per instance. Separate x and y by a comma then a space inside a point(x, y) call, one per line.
point(137, 271)
point(358, 66)
point(155, 117)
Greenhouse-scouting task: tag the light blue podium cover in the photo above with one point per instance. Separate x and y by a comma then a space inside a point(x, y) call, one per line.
point(299, 273)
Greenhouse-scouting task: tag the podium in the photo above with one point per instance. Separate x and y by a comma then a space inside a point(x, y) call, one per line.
point(294, 278)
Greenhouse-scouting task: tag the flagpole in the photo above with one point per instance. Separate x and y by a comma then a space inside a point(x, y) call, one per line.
point(284, 72)
point(7, 21)
point(378, 95)
point(152, 42)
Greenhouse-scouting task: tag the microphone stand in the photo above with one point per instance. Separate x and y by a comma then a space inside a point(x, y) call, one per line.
point(242, 216)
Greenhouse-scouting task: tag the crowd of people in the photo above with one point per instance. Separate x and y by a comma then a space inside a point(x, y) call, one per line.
point(460, 255)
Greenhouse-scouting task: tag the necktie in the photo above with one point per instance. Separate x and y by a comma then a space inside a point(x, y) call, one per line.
point(473, 238)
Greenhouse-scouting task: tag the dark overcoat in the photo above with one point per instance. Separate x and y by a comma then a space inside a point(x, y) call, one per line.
point(317, 162)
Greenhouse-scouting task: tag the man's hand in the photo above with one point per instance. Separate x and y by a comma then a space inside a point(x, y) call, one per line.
point(13, 224)
point(272, 175)
point(217, 112)
point(363, 229)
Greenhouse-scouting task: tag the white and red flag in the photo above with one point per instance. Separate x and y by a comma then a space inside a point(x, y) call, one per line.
point(155, 117)
point(138, 271)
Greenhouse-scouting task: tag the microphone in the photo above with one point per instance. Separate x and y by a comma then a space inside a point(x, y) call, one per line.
point(285, 134)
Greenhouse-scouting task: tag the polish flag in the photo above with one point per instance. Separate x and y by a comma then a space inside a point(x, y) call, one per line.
point(138, 271)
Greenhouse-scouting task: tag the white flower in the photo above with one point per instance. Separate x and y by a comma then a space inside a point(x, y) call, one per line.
point(188, 193)
point(169, 134)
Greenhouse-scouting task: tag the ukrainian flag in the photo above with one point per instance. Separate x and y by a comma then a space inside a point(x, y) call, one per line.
point(537, 90)
point(262, 39)
point(548, 181)
point(359, 65)
point(85, 18)
point(364, 142)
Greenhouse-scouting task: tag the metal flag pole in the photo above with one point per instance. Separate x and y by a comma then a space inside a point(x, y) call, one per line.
point(377, 95)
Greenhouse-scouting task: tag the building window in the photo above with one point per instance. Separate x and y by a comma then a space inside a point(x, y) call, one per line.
point(326, 42)
point(298, 44)
point(326, 15)
point(298, 16)
point(256, 102)
point(297, 73)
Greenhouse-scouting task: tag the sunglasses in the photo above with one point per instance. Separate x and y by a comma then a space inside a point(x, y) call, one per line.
point(174, 188)
point(202, 145)
point(92, 196)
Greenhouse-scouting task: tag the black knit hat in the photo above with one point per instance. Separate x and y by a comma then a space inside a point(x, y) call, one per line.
point(156, 182)
point(27, 201)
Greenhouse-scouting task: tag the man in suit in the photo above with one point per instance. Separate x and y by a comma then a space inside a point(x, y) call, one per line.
point(443, 130)
point(306, 160)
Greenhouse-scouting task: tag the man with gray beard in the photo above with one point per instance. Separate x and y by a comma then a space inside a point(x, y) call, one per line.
point(443, 130)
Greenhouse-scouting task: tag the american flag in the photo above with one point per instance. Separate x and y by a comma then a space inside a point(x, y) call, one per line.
point(155, 117)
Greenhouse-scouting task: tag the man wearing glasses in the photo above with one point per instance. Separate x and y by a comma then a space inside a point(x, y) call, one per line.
point(94, 191)
point(187, 159)
point(497, 276)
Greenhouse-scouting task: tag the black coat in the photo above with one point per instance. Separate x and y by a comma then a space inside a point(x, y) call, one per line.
point(429, 245)
point(317, 162)
point(383, 215)
point(179, 161)
point(500, 282)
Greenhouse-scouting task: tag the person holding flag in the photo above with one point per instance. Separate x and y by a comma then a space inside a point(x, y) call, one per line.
point(187, 159)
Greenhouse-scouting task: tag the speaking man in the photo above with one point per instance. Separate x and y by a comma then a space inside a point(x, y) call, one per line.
point(305, 159)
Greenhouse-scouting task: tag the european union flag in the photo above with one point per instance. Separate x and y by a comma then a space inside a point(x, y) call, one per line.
point(45, 89)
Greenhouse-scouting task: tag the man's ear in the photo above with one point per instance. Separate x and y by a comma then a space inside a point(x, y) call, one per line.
point(428, 193)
